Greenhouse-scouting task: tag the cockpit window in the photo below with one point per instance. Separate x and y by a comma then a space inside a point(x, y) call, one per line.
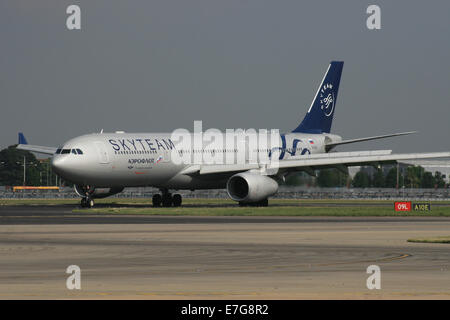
point(67, 151)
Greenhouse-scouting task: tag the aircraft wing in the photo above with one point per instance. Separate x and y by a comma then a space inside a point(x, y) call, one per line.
point(39, 149)
point(23, 145)
point(360, 160)
point(319, 161)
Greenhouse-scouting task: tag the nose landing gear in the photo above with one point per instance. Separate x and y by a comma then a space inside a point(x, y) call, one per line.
point(86, 193)
point(166, 199)
point(87, 202)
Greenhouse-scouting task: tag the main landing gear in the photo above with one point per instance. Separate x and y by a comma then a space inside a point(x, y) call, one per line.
point(166, 199)
point(87, 202)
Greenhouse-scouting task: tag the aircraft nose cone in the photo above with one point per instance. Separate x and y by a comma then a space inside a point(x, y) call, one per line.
point(59, 165)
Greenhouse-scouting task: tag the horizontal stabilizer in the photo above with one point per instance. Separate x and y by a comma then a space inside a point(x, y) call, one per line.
point(331, 145)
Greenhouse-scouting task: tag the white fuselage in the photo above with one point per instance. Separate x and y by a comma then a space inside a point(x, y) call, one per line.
point(147, 159)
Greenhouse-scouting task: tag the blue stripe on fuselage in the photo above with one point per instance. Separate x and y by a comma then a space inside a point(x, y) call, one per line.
point(292, 151)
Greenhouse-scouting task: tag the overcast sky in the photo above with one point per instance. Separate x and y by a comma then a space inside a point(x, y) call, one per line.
point(154, 66)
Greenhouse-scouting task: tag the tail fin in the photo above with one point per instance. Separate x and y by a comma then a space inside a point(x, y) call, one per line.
point(319, 117)
point(22, 139)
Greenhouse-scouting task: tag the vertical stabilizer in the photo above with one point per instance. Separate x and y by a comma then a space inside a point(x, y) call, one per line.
point(319, 117)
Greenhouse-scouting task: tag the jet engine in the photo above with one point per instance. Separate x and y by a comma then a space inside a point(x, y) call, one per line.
point(249, 187)
point(96, 193)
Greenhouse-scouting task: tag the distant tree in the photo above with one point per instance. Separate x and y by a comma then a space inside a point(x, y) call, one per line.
point(331, 178)
point(11, 167)
point(439, 179)
point(413, 176)
point(325, 178)
point(298, 179)
point(378, 179)
point(361, 180)
point(391, 178)
point(427, 180)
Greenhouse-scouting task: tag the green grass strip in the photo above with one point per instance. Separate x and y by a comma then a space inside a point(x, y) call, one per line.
point(431, 240)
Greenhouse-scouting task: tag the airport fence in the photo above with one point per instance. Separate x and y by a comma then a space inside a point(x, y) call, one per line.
point(284, 192)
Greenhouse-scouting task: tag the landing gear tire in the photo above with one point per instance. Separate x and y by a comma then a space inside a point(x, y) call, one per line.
point(157, 200)
point(176, 200)
point(167, 200)
point(90, 202)
point(87, 203)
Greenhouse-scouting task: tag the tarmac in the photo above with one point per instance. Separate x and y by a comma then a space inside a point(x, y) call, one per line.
point(169, 257)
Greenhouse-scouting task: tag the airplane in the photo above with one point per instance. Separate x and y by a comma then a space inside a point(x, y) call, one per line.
point(103, 164)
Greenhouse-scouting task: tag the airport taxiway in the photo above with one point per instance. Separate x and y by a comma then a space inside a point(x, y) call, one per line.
point(148, 257)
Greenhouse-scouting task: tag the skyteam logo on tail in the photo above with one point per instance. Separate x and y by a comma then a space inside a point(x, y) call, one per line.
point(319, 117)
point(327, 99)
